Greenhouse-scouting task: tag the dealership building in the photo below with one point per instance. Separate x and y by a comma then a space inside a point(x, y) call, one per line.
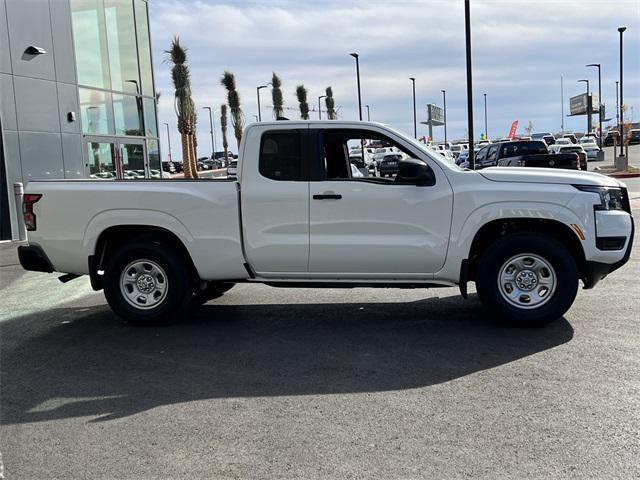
point(77, 96)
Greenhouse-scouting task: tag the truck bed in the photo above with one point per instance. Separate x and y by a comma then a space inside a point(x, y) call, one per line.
point(204, 215)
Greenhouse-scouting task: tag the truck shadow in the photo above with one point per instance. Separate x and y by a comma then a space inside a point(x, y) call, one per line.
point(75, 362)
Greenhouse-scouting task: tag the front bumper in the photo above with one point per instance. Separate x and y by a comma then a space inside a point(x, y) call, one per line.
point(33, 258)
point(596, 271)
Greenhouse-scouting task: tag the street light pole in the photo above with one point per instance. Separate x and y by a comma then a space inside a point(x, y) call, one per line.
point(213, 142)
point(561, 104)
point(368, 113)
point(444, 107)
point(357, 57)
point(617, 120)
point(589, 106)
point(621, 124)
point(320, 106)
point(169, 141)
point(258, 94)
point(415, 126)
point(467, 31)
point(599, 100)
point(486, 130)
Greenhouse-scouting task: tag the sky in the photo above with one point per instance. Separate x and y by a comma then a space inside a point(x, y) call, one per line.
point(520, 48)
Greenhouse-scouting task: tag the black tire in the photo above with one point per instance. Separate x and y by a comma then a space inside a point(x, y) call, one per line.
point(179, 282)
point(212, 291)
point(545, 247)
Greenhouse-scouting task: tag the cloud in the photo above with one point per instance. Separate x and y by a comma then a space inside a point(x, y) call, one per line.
point(520, 50)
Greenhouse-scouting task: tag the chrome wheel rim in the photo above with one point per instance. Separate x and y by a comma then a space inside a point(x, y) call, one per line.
point(527, 281)
point(143, 284)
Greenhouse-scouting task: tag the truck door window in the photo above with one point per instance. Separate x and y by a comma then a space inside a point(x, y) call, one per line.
point(374, 156)
point(280, 156)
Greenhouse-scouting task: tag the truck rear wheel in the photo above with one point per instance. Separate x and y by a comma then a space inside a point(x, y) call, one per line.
point(527, 279)
point(147, 283)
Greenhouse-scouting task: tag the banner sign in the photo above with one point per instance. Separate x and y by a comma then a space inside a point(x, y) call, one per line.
point(513, 129)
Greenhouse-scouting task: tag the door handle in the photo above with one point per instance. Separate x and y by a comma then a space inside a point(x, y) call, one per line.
point(328, 196)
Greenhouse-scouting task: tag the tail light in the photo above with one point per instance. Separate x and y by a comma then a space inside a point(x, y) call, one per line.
point(27, 209)
point(578, 161)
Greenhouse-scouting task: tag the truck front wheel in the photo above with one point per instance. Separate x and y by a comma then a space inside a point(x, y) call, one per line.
point(147, 283)
point(527, 279)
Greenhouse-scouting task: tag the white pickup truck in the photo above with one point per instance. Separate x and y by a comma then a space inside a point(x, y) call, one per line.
point(296, 216)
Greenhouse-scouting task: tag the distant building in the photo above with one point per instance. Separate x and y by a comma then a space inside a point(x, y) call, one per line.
point(77, 96)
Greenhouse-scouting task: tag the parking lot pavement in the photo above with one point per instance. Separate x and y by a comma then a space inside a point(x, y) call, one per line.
point(634, 157)
point(283, 383)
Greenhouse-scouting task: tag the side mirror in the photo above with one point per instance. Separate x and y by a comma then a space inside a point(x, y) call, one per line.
point(414, 171)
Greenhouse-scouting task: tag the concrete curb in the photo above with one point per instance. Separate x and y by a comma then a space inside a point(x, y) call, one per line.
point(623, 175)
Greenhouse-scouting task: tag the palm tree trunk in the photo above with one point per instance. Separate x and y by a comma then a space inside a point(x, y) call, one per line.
point(194, 157)
point(186, 156)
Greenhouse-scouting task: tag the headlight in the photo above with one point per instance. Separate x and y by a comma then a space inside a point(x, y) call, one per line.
point(611, 198)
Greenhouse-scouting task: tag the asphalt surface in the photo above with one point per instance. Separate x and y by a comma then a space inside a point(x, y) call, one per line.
point(279, 383)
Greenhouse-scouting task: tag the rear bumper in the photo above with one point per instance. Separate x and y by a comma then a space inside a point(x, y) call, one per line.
point(33, 258)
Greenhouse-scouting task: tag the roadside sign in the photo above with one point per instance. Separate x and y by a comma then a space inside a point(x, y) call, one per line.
point(578, 105)
point(513, 129)
point(435, 115)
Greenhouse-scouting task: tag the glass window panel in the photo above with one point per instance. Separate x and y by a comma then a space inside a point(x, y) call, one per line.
point(132, 160)
point(154, 157)
point(121, 36)
point(127, 111)
point(90, 42)
point(144, 47)
point(96, 112)
point(150, 117)
point(101, 160)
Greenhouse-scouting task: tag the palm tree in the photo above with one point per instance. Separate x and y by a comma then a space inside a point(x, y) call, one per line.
point(276, 96)
point(301, 93)
point(330, 103)
point(233, 99)
point(184, 106)
point(223, 127)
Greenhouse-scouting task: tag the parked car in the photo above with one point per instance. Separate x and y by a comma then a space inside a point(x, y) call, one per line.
point(153, 173)
point(178, 166)
point(612, 136)
point(633, 136)
point(560, 149)
point(232, 169)
point(591, 148)
point(168, 167)
point(525, 236)
point(463, 158)
point(456, 149)
point(540, 135)
point(356, 160)
point(212, 164)
point(563, 141)
point(389, 165)
point(448, 155)
point(523, 153)
point(549, 139)
point(355, 172)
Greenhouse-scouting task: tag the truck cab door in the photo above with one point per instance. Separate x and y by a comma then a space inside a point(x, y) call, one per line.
point(372, 227)
point(275, 200)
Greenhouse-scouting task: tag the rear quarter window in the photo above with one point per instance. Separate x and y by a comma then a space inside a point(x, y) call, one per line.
point(281, 155)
